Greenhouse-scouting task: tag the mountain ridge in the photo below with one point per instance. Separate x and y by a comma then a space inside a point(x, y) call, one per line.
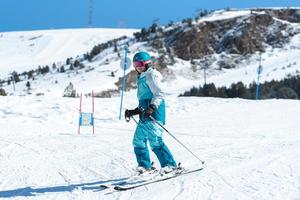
point(224, 42)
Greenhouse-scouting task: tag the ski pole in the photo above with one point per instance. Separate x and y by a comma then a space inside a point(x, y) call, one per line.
point(152, 118)
point(134, 120)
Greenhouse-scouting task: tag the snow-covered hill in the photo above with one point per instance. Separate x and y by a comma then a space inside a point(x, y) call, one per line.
point(21, 51)
point(25, 50)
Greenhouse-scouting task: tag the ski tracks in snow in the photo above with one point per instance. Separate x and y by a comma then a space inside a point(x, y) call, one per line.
point(261, 174)
point(244, 161)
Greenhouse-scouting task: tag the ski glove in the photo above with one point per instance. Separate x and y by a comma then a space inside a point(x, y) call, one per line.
point(149, 111)
point(130, 113)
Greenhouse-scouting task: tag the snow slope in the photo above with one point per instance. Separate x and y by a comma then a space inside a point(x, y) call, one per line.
point(25, 50)
point(251, 148)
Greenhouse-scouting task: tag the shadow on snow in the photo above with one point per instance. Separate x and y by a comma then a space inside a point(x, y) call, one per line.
point(31, 191)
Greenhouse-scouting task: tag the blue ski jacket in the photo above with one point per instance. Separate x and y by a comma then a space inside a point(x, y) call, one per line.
point(149, 91)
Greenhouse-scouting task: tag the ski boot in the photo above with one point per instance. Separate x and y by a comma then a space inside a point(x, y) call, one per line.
point(142, 170)
point(172, 169)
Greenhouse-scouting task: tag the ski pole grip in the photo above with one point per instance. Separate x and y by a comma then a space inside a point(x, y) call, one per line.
point(127, 119)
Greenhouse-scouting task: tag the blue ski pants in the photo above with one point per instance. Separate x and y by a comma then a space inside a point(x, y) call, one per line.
point(150, 131)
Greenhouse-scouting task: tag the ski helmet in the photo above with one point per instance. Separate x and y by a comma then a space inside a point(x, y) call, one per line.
point(141, 56)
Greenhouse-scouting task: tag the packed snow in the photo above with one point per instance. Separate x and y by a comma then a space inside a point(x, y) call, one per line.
point(251, 149)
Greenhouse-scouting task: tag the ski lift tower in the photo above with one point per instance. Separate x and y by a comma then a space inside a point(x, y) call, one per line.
point(205, 67)
point(90, 14)
point(13, 81)
point(259, 71)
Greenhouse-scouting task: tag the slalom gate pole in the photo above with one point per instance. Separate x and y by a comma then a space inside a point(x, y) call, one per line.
point(93, 110)
point(152, 118)
point(80, 105)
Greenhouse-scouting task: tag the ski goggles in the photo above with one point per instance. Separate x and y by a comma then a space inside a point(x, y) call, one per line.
point(139, 64)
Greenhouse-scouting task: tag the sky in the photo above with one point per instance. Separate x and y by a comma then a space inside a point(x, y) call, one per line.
point(18, 15)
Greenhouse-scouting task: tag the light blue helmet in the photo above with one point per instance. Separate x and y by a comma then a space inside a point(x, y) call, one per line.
point(142, 56)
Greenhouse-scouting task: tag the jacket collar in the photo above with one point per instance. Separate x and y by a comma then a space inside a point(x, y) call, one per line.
point(149, 70)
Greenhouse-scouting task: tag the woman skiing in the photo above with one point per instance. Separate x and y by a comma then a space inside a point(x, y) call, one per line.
point(151, 103)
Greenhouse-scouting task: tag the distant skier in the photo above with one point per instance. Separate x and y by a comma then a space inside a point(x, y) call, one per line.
point(151, 102)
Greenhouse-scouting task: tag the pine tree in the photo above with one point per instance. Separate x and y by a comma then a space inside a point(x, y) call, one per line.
point(71, 66)
point(62, 69)
point(30, 74)
point(45, 69)
point(68, 61)
point(115, 47)
point(15, 76)
point(28, 85)
point(53, 66)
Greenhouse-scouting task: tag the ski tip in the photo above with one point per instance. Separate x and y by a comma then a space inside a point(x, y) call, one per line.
point(119, 188)
point(104, 186)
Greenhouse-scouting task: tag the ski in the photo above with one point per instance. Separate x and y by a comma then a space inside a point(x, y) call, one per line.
point(124, 187)
point(132, 179)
